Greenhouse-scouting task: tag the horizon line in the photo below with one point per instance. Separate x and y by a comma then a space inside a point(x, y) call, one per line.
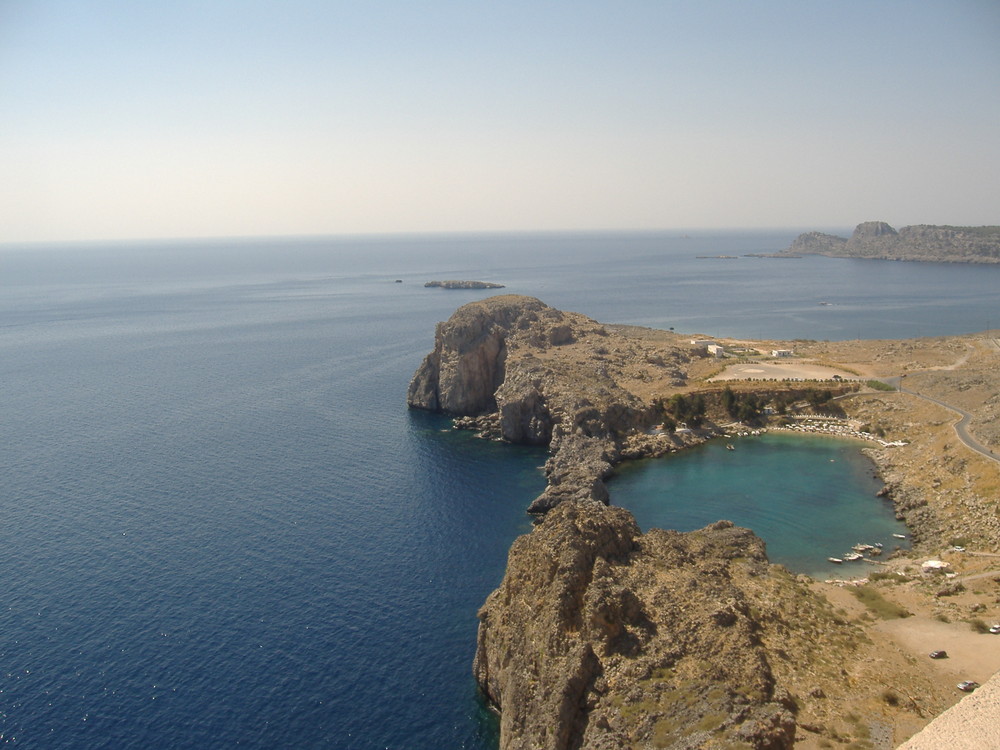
point(374, 235)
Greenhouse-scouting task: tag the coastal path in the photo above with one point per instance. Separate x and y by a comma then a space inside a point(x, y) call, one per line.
point(961, 426)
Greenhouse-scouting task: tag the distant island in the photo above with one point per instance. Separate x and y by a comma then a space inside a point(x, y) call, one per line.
point(924, 242)
point(463, 285)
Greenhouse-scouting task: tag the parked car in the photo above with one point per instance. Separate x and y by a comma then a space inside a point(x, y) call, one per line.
point(968, 686)
point(995, 628)
point(939, 654)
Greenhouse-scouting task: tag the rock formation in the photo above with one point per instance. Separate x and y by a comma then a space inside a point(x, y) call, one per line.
point(603, 637)
point(817, 243)
point(492, 361)
point(876, 239)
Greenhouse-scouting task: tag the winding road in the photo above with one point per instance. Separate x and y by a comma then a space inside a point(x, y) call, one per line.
point(961, 426)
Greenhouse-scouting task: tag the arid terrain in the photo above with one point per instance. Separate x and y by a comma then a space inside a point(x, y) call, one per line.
point(948, 494)
point(849, 660)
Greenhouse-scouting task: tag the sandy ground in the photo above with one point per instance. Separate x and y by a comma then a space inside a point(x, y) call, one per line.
point(971, 655)
point(782, 371)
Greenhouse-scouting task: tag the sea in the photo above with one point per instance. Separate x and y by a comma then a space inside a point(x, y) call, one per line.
point(222, 527)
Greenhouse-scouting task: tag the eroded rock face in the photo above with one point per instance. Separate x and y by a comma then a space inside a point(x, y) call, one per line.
point(461, 375)
point(492, 360)
point(602, 637)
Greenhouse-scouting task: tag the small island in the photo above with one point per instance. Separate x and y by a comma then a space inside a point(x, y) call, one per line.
point(604, 636)
point(922, 242)
point(452, 284)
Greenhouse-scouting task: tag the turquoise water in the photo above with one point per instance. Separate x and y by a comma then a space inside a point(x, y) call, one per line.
point(808, 497)
point(222, 527)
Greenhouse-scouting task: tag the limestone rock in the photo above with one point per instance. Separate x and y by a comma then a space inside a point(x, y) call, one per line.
point(461, 375)
point(492, 361)
point(600, 636)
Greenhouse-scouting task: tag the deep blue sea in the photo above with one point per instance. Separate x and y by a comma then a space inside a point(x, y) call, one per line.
point(221, 527)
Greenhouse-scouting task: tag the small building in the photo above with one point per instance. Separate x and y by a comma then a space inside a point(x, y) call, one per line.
point(934, 566)
point(782, 353)
point(701, 343)
point(716, 350)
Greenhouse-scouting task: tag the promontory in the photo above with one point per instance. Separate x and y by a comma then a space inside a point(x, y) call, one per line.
point(601, 636)
point(924, 242)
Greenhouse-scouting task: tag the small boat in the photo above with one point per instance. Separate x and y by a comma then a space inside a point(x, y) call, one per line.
point(900, 536)
point(835, 560)
point(729, 447)
point(852, 557)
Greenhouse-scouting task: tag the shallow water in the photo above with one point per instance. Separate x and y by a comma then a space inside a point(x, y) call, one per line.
point(808, 497)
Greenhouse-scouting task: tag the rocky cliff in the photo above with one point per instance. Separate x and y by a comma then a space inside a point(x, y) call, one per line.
point(876, 239)
point(603, 637)
point(528, 373)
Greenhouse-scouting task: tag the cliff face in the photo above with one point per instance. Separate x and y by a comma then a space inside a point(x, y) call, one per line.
point(603, 637)
point(876, 239)
point(461, 375)
point(531, 374)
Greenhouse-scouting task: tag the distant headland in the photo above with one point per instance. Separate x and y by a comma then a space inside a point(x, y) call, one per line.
point(924, 242)
point(463, 285)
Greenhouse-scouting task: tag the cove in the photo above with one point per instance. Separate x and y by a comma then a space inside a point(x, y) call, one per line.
point(808, 497)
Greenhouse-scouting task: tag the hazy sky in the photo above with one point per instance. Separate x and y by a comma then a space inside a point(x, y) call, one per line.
point(128, 118)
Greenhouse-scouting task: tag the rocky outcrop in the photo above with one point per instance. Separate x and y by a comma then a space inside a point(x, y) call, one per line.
point(461, 375)
point(816, 243)
point(876, 239)
point(576, 470)
point(453, 284)
point(494, 360)
point(600, 636)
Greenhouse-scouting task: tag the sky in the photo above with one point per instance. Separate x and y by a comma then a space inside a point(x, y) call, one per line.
point(124, 119)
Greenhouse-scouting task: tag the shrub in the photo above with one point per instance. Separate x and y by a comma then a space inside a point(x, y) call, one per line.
point(878, 604)
point(878, 385)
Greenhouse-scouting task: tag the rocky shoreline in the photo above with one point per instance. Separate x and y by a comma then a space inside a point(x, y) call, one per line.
point(600, 636)
point(876, 239)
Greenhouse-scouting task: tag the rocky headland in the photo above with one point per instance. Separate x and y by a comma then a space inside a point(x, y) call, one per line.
point(524, 372)
point(600, 636)
point(876, 239)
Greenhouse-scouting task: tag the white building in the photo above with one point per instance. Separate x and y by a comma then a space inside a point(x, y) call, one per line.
point(782, 352)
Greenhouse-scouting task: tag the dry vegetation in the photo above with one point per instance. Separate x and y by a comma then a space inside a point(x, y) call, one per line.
point(883, 688)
